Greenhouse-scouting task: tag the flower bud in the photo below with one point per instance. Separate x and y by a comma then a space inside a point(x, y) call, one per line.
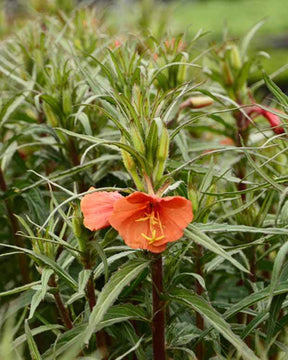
point(137, 138)
point(131, 167)
point(197, 102)
point(235, 58)
point(274, 121)
point(79, 230)
point(152, 144)
point(128, 160)
point(228, 77)
point(163, 148)
point(192, 193)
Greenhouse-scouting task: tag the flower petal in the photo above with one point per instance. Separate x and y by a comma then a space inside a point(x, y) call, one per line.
point(97, 208)
point(129, 214)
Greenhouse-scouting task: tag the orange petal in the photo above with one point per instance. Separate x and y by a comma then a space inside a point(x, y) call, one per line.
point(123, 219)
point(97, 208)
point(175, 214)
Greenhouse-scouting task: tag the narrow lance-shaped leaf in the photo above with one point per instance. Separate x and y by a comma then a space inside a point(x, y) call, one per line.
point(19, 289)
point(276, 91)
point(50, 263)
point(36, 299)
point(216, 320)
point(202, 239)
point(34, 352)
point(111, 291)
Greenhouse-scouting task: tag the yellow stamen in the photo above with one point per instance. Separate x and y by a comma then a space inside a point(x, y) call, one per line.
point(154, 221)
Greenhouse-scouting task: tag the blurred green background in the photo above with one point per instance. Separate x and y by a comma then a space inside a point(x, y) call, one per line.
point(216, 17)
point(238, 16)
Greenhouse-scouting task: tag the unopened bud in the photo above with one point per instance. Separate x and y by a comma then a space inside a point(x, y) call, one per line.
point(152, 144)
point(274, 121)
point(128, 160)
point(210, 199)
point(235, 58)
point(197, 102)
point(81, 233)
point(131, 167)
point(163, 148)
point(163, 144)
point(137, 138)
point(228, 77)
point(192, 193)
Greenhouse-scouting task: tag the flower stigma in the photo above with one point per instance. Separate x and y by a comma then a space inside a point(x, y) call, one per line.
point(154, 222)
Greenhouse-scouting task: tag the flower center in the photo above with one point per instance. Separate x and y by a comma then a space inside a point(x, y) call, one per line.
point(152, 216)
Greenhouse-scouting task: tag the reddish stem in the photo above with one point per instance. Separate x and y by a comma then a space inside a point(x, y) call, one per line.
point(101, 337)
point(158, 321)
point(200, 354)
point(241, 136)
point(64, 313)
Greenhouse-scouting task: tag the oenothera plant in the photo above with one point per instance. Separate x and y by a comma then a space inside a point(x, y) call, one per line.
point(145, 220)
point(110, 141)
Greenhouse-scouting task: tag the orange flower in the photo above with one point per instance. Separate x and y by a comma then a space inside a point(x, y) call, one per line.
point(97, 208)
point(150, 222)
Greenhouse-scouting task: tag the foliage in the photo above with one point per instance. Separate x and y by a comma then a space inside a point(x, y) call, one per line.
point(85, 104)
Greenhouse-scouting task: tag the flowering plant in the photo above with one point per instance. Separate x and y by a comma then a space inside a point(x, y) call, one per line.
point(178, 249)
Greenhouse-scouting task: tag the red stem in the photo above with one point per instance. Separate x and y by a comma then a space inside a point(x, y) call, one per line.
point(64, 313)
point(101, 336)
point(158, 321)
point(200, 354)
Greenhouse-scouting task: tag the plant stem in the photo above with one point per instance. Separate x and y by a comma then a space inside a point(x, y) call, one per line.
point(22, 260)
point(241, 136)
point(158, 321)
point(64, 313)
point(101, 337)
point(73, 151)
point(199, 290)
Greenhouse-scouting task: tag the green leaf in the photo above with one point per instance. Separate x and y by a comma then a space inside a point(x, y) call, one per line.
point(34, 352)
point(36, 299)
point(278, 266)
point(50, 263)
point(133, 348)
point(276, 91)
point(198, 304)
point(39, 330)
point(20, 288)
point(262, 173)
point(247, 39)
point(111, 290)
point(117, 144)
point(110, 260)
point(216, 228)
point(253, 324)
point(46, 273)
point(83, 278)
point(193, 233)
point(274, 312)
point(133, 338)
